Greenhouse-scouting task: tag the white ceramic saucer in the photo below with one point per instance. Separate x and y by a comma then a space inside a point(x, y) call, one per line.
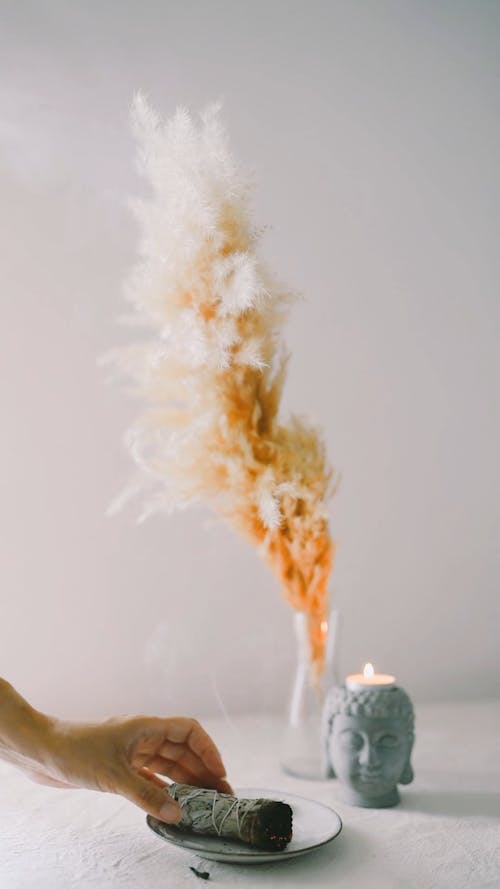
point(314, 824)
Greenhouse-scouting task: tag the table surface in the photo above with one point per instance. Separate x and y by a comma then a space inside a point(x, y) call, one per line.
point(445, 833)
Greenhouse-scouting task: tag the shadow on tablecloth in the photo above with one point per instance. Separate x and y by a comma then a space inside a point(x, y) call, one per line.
point(458, 803)
point(325, 867)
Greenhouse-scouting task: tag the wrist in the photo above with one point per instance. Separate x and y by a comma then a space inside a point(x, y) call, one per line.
point(24, 731)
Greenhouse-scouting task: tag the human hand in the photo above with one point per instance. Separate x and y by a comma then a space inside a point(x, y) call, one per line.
point(125, 754)
point(122, 755)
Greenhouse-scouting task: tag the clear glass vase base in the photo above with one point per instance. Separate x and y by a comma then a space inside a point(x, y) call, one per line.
point(301, 753)
point(304, 767)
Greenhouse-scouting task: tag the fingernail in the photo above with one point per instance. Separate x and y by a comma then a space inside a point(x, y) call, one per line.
point(170, 813)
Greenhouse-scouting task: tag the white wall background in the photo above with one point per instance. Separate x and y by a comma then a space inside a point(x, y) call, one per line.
point(373, 129)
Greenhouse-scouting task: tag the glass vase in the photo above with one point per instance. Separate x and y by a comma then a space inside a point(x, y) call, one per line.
point(301, 750)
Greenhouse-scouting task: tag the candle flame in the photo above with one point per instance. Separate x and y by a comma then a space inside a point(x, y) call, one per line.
point(368, 671)
point(324, 627)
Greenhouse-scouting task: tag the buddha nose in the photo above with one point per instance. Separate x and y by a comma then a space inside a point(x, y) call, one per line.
point(368, 756)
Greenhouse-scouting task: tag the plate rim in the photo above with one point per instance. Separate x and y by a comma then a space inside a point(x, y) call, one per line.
point(255, 856)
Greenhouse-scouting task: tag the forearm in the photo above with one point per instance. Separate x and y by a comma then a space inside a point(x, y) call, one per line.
point(120, 755)
point(24, 732)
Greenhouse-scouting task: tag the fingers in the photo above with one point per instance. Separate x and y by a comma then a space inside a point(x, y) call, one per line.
point(141, 789)
point(190, 732)
point(151, 776)
point(222, 786)
point(202, 745)
point(178, 771)
point(180, 753)
point(180, 748)
point(174, 770)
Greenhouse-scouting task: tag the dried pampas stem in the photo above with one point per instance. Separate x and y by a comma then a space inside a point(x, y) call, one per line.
point(213, 369)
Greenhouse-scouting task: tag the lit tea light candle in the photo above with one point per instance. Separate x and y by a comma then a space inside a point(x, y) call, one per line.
point(369, 679)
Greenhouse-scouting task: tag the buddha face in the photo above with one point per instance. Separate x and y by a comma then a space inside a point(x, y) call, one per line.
point(370, 756)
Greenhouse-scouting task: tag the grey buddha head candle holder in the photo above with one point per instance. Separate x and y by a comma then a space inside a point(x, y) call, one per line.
point(367, 738)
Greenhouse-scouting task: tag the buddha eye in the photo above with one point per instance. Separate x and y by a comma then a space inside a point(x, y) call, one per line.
point(351, 741)
point(388, 741)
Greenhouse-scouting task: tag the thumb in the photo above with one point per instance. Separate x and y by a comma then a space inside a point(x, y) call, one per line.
point(151, 797)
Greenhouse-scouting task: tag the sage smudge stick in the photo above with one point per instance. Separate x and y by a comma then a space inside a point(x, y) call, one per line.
point(263, 823)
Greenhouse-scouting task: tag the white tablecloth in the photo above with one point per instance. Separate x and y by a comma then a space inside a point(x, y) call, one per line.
point(445, 833)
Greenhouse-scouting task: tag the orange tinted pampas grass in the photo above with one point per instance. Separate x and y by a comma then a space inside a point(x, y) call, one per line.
point(213, 368)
